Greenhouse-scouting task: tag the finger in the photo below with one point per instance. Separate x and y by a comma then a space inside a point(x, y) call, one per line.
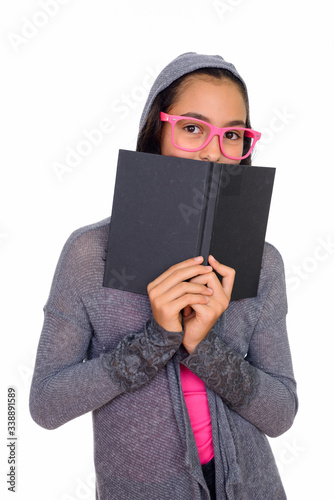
point(210, 280)
point(176, 277)
point(185, 263)
point(207, 314)
point(227, 273)
point(183, 288)
point(190, 300)
point(174, 308)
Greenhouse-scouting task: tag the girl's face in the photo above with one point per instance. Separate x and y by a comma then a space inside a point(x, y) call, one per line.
point(218, 102)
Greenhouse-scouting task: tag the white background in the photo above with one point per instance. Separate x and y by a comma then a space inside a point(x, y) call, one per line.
point(84, 62)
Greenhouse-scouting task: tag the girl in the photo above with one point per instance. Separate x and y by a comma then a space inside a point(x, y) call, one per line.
point(183, 384)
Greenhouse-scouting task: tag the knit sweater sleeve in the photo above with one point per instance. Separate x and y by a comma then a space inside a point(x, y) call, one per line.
point(260, 386)
point(66, 384)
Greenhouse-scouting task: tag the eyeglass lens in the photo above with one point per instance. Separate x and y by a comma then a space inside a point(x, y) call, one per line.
point(191, 134)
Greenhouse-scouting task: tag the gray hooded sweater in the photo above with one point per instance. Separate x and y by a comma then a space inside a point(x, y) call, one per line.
point(101, 351)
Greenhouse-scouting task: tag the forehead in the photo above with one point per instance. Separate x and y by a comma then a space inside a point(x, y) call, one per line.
point(217, 99)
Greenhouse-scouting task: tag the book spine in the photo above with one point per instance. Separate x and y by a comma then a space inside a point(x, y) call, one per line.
point(209, 205)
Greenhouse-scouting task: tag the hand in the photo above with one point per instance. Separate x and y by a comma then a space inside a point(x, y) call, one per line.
point(199, 318)
point(170, 292)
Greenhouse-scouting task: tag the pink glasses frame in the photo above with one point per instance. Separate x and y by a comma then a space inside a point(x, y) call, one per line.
point(220, 131)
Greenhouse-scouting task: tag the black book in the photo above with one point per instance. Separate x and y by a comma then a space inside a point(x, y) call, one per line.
point(166, 210)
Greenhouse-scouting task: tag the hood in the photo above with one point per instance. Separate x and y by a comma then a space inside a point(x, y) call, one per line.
point(183, 64)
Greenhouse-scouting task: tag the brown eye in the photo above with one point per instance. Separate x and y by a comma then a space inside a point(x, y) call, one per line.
point(232, 135)
point(192, 129)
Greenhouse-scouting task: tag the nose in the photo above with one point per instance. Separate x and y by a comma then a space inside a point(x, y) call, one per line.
point(212, 151)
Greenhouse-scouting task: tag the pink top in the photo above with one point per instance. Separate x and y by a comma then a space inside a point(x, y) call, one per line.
point(199, 413)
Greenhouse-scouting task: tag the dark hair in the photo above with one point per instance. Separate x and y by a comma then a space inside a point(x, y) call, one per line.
point(150, 134)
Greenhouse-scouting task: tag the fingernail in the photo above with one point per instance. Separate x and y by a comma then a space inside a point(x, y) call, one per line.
point(209, 267)
point(198, 258)
point(212, 257)
point(210, 289)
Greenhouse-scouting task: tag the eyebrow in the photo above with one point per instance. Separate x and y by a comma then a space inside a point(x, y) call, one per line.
point(233, 123)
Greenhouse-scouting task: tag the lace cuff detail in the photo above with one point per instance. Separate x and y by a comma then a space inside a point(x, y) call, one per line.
point(224, 371)
point(139, 356)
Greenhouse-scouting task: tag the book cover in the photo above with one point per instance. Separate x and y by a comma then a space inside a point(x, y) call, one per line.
point(168, 209)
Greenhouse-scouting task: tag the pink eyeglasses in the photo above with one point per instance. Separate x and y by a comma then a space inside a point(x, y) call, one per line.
point(191, 134)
